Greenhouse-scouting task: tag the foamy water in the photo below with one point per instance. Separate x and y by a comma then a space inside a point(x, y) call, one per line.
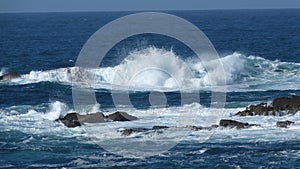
point(162, 70)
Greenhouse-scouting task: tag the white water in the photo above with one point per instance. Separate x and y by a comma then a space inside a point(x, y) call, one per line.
point(33, 120)
point(159, 69)
point(3, 71)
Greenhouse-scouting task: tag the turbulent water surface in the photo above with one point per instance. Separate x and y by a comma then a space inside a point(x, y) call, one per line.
point(259, 51)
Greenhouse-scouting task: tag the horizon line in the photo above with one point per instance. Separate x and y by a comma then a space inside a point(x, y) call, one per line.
point(157, 10)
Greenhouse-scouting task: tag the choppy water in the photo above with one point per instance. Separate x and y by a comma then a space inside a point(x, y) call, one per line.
point(259, 50)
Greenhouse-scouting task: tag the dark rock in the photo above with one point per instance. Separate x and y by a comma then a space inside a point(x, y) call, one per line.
point(261, 109)
point(121, 116)
point(196, 128)
point(290, 104)
point(159, 127)
point(284, 124)
point(9, 76)
point(75, 119)
point(70, 120)
point(91, 118)
point(232, 124)
point(127, 132)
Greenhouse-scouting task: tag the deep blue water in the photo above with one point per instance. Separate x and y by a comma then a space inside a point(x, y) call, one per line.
point(262, 46)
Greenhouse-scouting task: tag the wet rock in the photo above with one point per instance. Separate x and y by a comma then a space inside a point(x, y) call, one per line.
point(289, 104)
point(159, 127)
point(9, 76)
point(75, 119)
point(235, 124)
point(127, 132)
point(91, 118)
point(196, 128)
point(70, 120)
point(279, 106)
point(121, 116)
point(284, 124)
point(262, 109)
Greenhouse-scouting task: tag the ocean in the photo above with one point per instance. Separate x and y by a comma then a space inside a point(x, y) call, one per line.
point(260, 54)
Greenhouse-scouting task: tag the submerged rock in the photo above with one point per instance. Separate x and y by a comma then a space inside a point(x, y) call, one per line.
point(159, 127)
point(235, 124)
point(9, 76)
point(284, 124)
point(127, 132)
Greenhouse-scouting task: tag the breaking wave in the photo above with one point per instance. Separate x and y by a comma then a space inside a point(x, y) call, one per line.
point(159, 69)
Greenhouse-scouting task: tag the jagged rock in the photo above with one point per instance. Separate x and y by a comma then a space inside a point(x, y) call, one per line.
point(290, 104)
point(121, 116)
point(284, 124)
point(127, 132)
point(262, 109)
point(70, 120)
point(9, 76)
point(232, 124)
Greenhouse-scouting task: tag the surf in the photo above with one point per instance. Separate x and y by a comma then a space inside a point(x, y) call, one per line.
point(158, 69)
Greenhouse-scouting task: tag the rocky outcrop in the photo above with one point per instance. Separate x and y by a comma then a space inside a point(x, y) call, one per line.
point(235, 124)
point(262, 109)
point(121, 116)
point(284, 124)
point(9, 76)
point(75, 119)
point(289, 105)
point(70, 120)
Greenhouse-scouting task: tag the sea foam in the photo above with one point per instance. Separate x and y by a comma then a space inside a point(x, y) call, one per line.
point(163, 70)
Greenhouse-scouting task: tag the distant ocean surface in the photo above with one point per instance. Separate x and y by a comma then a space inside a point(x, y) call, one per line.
point(259, 50)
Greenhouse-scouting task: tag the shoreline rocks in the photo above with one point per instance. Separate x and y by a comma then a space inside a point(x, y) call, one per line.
point(284, 124)
point(290, 105)
point(235, 124)
point(74, 119)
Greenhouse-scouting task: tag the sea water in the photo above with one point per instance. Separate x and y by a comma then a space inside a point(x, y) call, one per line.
point(259, 51)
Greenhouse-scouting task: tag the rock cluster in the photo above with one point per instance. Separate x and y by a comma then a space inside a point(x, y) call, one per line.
point(75, 119)
point(289, 105)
